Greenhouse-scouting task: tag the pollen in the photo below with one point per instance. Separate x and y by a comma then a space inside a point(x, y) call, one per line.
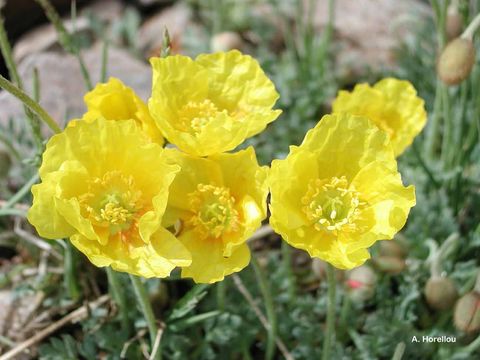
point(194, 116)
point(214, 211)
point(332, 205)
point(112, 201)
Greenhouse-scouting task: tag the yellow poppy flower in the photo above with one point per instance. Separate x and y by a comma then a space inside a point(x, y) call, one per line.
point(216, 204)
point(392, 104)
point(339, 191)
point(115, 101)
point(105, 186)
point(213, 103)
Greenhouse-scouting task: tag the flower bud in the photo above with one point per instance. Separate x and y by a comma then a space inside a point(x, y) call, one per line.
point(5, 163)
point(467, 313)
point(393, 248)
point(361, 283)
point(454, 22)
point(456, 61)
point(440, 293)
point(226, 41)
point(389, 264)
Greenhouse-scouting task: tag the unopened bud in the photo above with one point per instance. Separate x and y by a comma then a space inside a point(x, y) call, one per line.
point(440, 293)
point(389, 264)
point(361, 283)
point(456, 61)
point(454, 22)
point(393, 248)
point(226, 41)
point(467, 313)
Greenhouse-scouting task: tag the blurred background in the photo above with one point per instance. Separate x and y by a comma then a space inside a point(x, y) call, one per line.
point(310, 49)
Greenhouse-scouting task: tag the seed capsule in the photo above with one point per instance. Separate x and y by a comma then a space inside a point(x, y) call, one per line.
point(440, 293)
point(467, 313)
point(456, 61)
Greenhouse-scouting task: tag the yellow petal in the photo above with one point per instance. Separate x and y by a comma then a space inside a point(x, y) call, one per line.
point(392, 104)
point(208, 262)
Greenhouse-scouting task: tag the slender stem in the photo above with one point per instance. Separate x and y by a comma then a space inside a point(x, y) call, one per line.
point(287, 265)
point(6, 50)
point(118, 295)
point(146, 307)
point(330, 331)
point(221, 295)
point(103, 71)
point(269, 307)
point(433, 129)
point(470, 348)
point(14, 212)
point(399, 351)
point(470, 30)
point(21, 193)
point(70, 277)
point(424, 166)
point(65, 38)
point(30, 103)
point(448, 126)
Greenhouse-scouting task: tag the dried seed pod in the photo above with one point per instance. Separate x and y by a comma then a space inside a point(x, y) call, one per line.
point(393, 248)
point(226, 41)
point(361, 283)
point(467, 313)
point(440, 293)
point(456, 61)
point(389, 264)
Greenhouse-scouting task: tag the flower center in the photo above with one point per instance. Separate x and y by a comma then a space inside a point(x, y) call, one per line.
point(332, 205)
point(194, 116)
point(214, 211)
point(112, 201)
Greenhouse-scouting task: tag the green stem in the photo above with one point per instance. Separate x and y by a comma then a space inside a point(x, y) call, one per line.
point(433, 130)
point(70, 277)
point(470, 348)
point(448, 127)
point(65, 38)
point(21, 193)
point(330, 331)
point(146, 307)
point(13, 212)
point(6, 50)
point(287, 265)
point(424, 166)
point(269, 307)
point(221, 295)
point(399, 351)
point(119, 296)
point(30, 103)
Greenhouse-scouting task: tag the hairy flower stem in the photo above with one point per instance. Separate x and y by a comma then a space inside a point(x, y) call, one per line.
point(146, 307)
point(70, 277)
point(472, 28)
point(330, 331)
point(269, 307)
point(287, 265)
point(65, 39)
point(30, 103)
point(6, 50)
point(118, 296)
point(21, 193)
